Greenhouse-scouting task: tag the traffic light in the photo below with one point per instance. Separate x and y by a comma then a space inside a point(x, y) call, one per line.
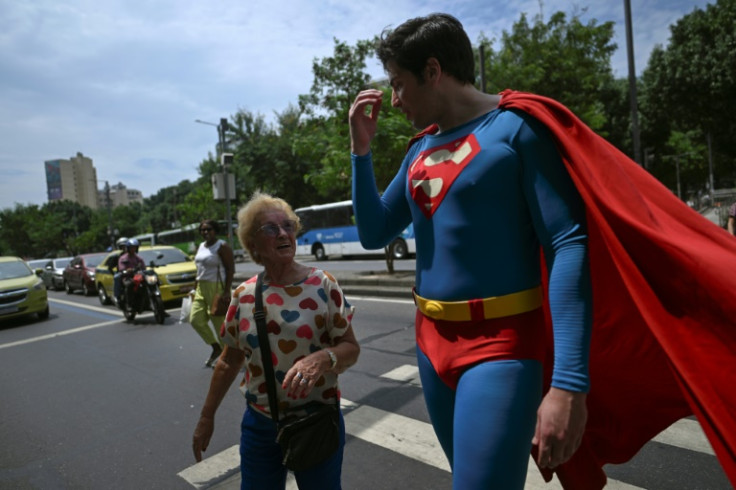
point(226, 160)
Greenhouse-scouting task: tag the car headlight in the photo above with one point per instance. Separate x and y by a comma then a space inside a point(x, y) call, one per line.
point(151, 279)
point(91, 274)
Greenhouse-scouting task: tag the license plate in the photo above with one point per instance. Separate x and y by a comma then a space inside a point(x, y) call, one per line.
point(8, 309)
point(185, 289)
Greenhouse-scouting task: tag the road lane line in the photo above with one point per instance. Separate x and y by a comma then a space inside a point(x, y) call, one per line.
point(58, 334)
point(100, 309)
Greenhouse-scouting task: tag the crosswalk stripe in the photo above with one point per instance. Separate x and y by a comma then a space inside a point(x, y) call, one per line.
point(410, 437)
point(414, 439)
point(685, 433)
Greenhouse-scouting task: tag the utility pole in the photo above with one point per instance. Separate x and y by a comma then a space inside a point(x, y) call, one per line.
point(226, 159)
point(632, 83)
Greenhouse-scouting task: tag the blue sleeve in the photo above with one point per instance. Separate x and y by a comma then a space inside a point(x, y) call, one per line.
point(558, 216)
point(379, 218)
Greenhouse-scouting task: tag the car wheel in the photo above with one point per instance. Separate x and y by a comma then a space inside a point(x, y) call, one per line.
point(102, 295)
point(57, 286)
point(319, 253)
point(42, 315)
point(398, 249)
point(89, 289)
point(68, 287)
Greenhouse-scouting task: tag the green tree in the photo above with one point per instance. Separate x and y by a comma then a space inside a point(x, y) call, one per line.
point(566, 60)
point(690, 86)
point(324, 137)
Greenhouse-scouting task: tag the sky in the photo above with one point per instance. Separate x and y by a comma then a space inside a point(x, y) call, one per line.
point(123, 81)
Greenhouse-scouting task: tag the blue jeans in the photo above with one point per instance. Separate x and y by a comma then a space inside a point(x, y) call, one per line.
point(485, 427)
point(260, 459)
point(117, 284)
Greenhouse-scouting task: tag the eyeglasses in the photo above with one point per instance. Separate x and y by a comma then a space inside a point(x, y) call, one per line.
point(205, 230)
point(273, 229)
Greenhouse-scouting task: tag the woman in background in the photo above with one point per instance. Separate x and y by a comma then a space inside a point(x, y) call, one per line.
point(215, 270)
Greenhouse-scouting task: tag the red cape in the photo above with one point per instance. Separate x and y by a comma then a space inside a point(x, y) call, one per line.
point(664, 302)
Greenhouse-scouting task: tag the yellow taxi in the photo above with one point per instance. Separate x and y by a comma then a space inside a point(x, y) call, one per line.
point(22, 291)
point(176, 272)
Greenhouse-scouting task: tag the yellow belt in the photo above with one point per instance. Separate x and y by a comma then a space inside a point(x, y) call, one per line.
point(480, 309)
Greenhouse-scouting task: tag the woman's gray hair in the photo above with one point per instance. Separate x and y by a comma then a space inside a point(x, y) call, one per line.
point(248, 223)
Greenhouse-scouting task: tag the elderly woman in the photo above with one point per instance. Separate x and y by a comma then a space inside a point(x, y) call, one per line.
point(311, 340)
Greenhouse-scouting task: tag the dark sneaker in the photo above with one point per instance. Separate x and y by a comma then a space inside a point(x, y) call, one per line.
point(216, 351)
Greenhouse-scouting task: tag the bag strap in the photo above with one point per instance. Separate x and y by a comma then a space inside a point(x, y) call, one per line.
point(260, 317)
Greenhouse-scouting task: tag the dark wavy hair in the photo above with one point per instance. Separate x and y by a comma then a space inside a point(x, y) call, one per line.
point(439, 36)
point(211, 223)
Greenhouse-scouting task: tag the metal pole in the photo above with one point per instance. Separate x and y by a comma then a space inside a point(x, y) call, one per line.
point(482, 59)
point(632, 83)
point(109, 214)
point(710, 169)
point(221, 130)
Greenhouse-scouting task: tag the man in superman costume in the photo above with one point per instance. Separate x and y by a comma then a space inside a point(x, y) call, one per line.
point(636, 327)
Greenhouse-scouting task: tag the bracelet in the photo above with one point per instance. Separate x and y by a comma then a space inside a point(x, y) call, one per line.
point(333, 358)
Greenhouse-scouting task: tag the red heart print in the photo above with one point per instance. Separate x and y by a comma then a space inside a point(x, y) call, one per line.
point(274, 299)
point(336, 297)
point(313, 281)
point(308, 304)
point(273, 327)
point(248, 298)
point(304, 332)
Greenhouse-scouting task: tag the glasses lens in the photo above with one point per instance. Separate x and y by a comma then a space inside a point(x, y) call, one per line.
point(289, 226)
point(273, 230)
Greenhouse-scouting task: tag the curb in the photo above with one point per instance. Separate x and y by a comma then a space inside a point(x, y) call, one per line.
point(370, 283)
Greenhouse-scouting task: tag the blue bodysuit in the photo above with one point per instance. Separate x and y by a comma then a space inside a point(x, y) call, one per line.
point(483, 197)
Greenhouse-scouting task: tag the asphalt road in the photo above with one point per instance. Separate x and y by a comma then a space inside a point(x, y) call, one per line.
point(90, 401)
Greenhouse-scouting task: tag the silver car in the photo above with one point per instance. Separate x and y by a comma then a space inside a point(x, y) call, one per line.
point(53, 273)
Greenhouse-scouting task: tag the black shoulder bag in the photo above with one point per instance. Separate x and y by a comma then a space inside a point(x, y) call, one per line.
point(306, 441)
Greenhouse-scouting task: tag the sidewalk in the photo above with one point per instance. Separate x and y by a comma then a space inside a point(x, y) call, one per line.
point(364, 283)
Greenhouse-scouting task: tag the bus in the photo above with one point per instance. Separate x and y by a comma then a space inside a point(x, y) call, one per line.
point(329, 229)
point(187, 238)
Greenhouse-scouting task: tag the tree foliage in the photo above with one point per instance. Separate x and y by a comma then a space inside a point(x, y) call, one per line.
point(566, 60)
point(690, 89)
point(686, 94)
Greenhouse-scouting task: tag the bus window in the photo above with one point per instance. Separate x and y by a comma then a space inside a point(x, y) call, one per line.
point(329, 229)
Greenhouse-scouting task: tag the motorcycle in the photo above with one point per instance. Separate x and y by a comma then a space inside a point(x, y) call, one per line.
point(141, 292)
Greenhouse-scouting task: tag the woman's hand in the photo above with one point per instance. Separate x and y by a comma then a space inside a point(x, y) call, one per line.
point(303, 375)
point(202, 434)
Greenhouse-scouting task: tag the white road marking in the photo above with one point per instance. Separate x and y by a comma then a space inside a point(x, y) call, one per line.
point(108, 311)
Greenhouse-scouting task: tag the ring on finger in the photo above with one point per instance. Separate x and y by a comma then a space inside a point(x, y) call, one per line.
point(304, 381)
point(299, 375)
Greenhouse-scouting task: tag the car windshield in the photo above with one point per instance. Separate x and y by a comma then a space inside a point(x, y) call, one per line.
point(164, 256)
point(94, 260)
point(13, 270)
point(61, 263)
point(37, 264)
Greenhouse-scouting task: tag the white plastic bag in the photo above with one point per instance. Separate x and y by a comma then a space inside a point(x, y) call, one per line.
point(186, 309)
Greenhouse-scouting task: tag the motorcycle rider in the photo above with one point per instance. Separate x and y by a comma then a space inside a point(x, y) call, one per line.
point(128, 261)
point(117, 278)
